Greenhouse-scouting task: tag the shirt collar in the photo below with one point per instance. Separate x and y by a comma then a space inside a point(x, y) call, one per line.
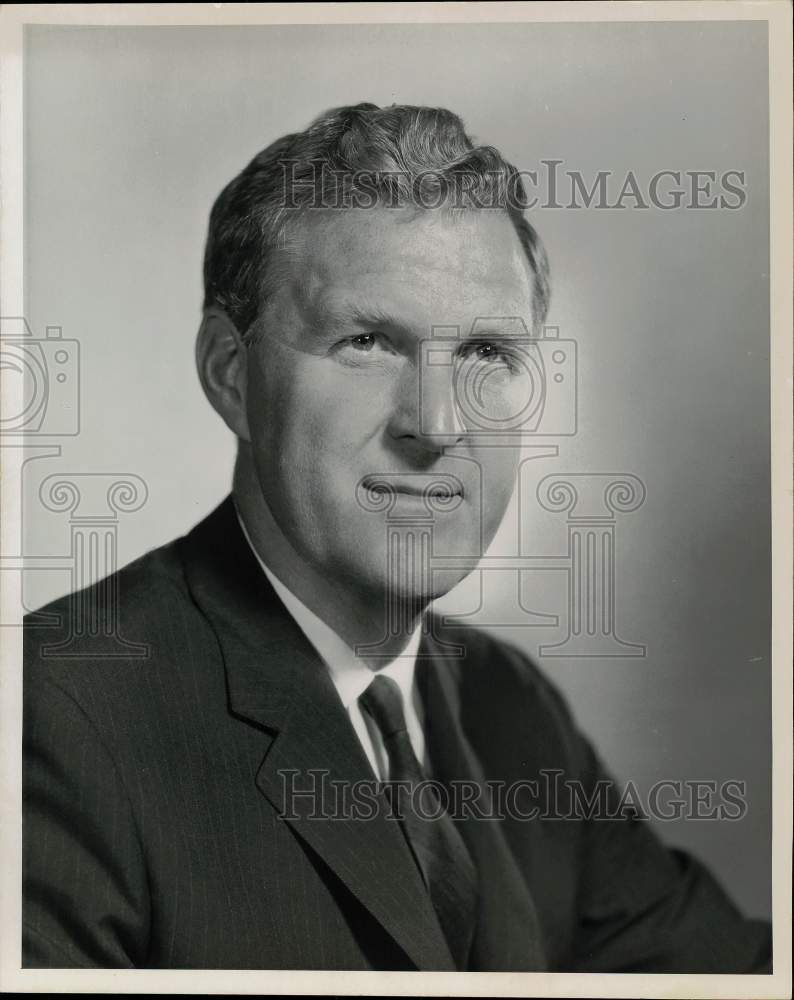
point(350, 675)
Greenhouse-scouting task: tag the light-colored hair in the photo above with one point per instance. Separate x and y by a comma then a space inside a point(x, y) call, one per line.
point(358, 156)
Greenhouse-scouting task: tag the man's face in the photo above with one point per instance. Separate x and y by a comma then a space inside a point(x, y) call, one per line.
point(339, 389)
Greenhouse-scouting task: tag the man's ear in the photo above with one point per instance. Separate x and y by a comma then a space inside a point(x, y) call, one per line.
point(222, 367)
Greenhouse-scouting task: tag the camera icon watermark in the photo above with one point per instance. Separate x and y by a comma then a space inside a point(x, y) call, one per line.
point(505, 382)
point(46, 399)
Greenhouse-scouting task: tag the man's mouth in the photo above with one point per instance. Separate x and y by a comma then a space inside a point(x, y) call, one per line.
point(440, 487)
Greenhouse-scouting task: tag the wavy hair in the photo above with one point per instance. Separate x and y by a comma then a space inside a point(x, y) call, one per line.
point(357, 156)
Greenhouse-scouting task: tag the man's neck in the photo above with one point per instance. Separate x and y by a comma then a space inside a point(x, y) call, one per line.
point(357, 615)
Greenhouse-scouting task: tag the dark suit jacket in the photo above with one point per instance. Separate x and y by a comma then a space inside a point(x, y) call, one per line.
point(153, 793)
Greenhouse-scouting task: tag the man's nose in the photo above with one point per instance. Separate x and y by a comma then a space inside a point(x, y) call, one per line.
point(427, 410)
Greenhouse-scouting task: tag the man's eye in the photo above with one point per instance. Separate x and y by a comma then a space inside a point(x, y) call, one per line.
point(367, 343)
point(364, 341)
point(377, 347)
point(486, 351)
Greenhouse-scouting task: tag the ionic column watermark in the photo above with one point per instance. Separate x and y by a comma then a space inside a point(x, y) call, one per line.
point(592, 501)
point(94, 502)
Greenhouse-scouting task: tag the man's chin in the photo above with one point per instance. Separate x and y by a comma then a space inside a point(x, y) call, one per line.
point(410, 588)
point(446, 580)
point(422, 592)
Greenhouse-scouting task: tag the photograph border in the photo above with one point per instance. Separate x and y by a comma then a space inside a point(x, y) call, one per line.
point(778, 15)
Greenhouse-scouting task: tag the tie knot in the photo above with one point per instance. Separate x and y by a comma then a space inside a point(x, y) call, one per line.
point(384, 702)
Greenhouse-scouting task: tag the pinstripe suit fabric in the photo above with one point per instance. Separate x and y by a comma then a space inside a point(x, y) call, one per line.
point(153, 788)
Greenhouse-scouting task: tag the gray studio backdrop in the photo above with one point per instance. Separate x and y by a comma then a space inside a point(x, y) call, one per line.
point(130, 133)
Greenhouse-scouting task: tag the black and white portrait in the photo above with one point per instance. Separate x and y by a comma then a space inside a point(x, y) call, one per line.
point(392, 486)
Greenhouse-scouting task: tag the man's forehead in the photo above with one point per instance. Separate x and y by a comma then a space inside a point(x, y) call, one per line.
point(435, 238)
point(355, 262)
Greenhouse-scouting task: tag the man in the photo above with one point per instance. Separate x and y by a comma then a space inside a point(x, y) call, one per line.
point(178, 807)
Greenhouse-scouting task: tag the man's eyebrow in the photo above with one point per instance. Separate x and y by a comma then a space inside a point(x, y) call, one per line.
point(330, 316)
point(373, 315)
point(365, 314)
point(333, 314)
point(492, 326)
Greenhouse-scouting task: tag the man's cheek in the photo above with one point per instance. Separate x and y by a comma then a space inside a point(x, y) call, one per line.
point(337, 427)
point(498, 483)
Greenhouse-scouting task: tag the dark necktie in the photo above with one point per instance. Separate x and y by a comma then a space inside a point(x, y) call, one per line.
point(440, 853)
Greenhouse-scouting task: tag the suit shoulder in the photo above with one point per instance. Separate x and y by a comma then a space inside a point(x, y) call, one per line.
point(113, 624)
point(145, 581)
point(494, 669)
point(513, 714)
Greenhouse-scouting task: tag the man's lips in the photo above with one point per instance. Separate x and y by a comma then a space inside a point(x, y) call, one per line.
point(432, 486)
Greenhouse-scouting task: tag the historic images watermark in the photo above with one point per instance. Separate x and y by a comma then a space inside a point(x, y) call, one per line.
point(40, 415)
point(507, 383)
point(552, 185)
point(48, 373)
point(550, 795)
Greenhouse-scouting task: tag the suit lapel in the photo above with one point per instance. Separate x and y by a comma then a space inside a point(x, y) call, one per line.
point(508, 935)
point(276, 680)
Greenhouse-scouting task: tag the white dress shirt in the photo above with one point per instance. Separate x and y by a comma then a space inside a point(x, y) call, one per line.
point(351, 676)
